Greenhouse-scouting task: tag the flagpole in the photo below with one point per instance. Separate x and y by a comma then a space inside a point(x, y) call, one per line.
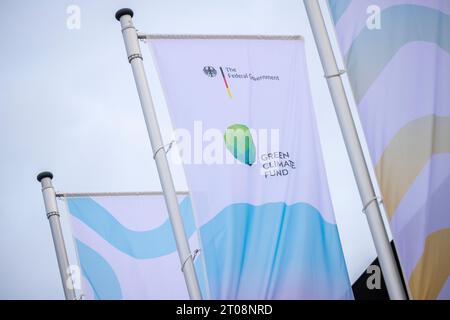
point(371, 207)
point(51, 208)
point(135, 59)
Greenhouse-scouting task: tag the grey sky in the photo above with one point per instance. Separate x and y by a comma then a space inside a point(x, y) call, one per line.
point(68, 104)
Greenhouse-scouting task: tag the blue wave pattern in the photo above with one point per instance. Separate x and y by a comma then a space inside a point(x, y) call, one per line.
point(400, 27)
point(140, 245)
point(137, 244)
point(98, 273)
point(274, 251)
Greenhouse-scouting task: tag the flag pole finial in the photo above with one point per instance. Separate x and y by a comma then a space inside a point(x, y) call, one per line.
point(44, 174)
point(123, 12)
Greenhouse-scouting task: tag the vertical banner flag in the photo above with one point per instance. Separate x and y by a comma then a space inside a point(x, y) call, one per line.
point(246, 132)
point(397, 54)
point(126, 247)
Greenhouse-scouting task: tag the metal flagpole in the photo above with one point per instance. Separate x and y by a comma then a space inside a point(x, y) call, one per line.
point(371, 206)
point(135, 59)
point(51, 208)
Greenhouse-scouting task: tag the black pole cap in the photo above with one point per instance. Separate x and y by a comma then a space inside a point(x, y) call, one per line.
point(45, 174)
point(123, 12)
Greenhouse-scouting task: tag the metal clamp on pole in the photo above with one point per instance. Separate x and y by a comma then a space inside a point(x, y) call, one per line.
point(386, 257)
point(133, 49)
point(51, 209)
point(192, 256)
point(338, 74)
point(380, 201)
point(169, 146)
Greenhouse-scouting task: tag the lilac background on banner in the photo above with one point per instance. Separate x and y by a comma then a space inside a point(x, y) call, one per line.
point(400, 74)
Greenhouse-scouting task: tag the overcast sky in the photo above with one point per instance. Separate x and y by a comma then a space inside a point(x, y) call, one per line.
point(68, 104)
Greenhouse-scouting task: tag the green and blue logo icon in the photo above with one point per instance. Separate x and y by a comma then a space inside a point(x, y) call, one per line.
point(239, 141)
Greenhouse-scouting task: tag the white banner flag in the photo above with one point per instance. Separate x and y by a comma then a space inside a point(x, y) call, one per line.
point(126, 247)
point(247, 134)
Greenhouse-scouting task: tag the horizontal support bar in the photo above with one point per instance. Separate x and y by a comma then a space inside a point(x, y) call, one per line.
point(143, 36)
point(114, 194)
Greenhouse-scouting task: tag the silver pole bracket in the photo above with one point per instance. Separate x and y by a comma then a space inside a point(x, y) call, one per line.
point(379, 199)
point(51, 214)
point(193, 255)
point(135, 56)
point(169, 146)
point(340, 73)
